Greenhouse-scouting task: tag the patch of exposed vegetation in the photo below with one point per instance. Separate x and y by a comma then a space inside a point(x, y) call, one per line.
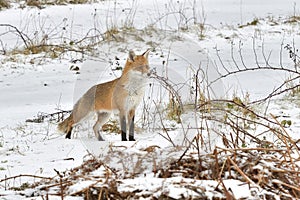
point(112, 126)
point(174, 111)
point(41, 3)
point(254, 22)
point(293, 19)
point(4, 4)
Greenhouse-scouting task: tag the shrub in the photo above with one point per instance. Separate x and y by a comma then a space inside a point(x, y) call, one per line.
point(4, 4)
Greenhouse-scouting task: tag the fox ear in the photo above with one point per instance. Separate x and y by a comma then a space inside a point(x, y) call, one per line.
point(131, 55)
point(146, 53)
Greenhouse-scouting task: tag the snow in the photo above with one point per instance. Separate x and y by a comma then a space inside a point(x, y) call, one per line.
point(34, 83)
point(178, 187)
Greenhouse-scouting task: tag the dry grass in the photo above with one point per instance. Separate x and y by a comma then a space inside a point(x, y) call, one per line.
point(112, 126)
point(254, 22)
point(271, 167)
point(293, 19)
point(174, 110)
point(4, 4)
point(41, 3)
point(272, 170)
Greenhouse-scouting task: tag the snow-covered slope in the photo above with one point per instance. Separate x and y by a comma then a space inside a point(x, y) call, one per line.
point(97, 38)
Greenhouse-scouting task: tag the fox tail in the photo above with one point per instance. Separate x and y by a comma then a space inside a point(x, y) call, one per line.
point(66, 125)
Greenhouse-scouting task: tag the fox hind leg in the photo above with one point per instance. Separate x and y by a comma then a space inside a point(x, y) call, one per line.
point(102, 117)
point(68, 135)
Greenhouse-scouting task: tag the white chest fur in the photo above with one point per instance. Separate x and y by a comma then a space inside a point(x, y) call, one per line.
point(135, 88)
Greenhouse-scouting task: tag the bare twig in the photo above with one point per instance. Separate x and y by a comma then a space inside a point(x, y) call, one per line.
point(164, 128)
point(25, 175)
point(241, 172)
point(23, 36)
point(168, 85)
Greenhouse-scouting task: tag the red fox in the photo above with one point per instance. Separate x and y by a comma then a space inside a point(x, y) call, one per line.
point(122, 95)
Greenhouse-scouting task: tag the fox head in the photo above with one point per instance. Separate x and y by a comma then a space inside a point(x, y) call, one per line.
point(138, 63)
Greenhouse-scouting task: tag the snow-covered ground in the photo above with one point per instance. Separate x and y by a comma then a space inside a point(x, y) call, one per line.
point(33, 85)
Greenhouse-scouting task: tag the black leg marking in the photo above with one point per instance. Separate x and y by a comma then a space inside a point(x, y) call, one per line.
point(131, 129)
point(68, 135)
point(131, 138)
point(100, 138)
point(123, 128)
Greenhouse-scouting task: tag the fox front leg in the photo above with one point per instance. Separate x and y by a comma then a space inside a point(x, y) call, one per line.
point(131, 130)
point(131, 125)
point(123, 127)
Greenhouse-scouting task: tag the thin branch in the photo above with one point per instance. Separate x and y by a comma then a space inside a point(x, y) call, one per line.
point(277, 91)
point(230, 73)
point(25, 175)
point(232, 57)
point(255, 54)
point(217, 52)
point(20, 33)
point(241, 55)
point(164, 128)
point(167, 84)
point(241, 172)
point(264, 56)
point(280, 57)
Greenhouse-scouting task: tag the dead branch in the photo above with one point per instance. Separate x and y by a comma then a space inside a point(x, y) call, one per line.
point(250, 149)
point(168, 85)
point(294, 72)
point(230, 73)
point(164, 128)
point(241, 172)
point(25, 175)
point(56, 116)
point(279, 90)
point(23, 36)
